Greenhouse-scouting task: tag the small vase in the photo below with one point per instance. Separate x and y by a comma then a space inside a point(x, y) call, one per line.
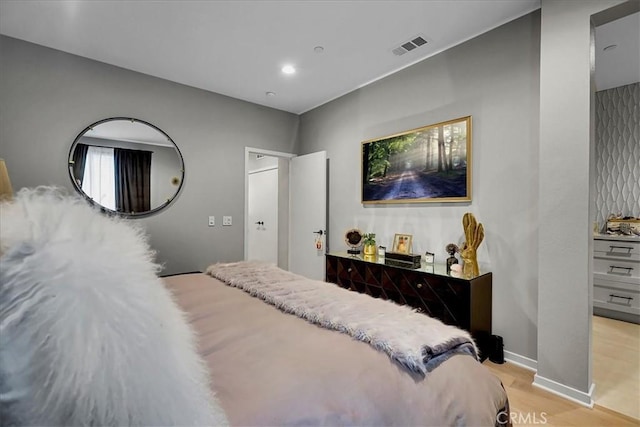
point(370, 249)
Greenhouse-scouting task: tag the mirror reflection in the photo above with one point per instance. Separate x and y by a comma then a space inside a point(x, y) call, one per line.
point(126, 165)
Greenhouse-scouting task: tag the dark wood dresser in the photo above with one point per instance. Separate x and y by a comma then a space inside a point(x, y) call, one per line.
point(462, 302)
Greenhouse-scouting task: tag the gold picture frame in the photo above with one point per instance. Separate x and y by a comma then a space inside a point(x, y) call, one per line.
point(428, 164)
point(402, 243)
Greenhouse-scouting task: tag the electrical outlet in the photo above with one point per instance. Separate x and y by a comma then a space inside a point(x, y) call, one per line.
point(212, 221)
point(226, 220)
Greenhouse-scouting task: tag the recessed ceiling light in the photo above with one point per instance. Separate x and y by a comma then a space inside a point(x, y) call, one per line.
point(270, 94)
point(288, 69)
point(318, 49)
point(610, 47)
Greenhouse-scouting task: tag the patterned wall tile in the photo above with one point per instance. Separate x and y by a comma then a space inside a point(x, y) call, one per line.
point(617, 181)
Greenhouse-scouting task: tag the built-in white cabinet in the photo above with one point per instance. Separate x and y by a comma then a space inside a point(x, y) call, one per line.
point(616, 277)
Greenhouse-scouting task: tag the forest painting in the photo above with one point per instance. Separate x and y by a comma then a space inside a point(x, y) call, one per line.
point(429, 164)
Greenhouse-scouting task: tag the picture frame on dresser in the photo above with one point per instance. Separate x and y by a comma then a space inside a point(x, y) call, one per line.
point(402, 243)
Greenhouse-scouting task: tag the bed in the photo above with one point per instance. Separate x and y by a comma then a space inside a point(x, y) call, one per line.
point(92, 336)
point(269, 367)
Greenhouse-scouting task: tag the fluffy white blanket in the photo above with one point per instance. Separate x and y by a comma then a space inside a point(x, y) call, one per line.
point(414, 340)
point(89, 334)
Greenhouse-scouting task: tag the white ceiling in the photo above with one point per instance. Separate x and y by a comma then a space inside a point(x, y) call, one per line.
point(237, 48)
point(621, 65)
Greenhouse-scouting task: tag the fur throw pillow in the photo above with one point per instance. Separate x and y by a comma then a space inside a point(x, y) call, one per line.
point(89, 335)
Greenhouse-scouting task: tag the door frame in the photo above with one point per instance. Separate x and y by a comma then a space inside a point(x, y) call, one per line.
point(248, 151)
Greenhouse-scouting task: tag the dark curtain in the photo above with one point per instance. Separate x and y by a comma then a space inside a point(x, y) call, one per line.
point(79, 160)
point(133, 180)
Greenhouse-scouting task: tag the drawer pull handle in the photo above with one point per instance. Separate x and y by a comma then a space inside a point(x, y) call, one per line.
point(620, 251)
point(612, 296)
point(349, 270)
point(629, 249)
point(419, 285)
point(614, 267)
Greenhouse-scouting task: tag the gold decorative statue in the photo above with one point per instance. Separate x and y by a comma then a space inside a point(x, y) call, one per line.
point(473, 233)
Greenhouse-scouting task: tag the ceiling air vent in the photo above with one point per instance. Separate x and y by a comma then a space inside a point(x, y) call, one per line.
point(412, 44)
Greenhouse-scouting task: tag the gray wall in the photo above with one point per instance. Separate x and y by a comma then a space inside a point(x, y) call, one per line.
point(493, 78)
point(48, 97)
point(617, 184)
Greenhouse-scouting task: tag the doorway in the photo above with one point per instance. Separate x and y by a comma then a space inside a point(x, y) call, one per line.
point(262, 209)
point(615, 343)
point(266, 219)
point(286, 210)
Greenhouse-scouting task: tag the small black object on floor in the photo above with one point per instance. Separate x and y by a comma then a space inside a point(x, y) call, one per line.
point(490, 346)
point(497, 349)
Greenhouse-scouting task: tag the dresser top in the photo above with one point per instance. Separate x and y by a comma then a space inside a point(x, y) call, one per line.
point(616, 238)
point(435, 268)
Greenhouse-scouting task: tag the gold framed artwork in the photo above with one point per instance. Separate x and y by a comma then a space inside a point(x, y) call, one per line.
point(402, 243)
point(427, 164)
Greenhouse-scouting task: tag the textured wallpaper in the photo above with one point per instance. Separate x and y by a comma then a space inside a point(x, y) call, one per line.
point(617, 181)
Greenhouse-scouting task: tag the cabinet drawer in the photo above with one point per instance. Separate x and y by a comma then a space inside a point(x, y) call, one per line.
point(613, 298)
point(622, 249)
point(616, 268)
point(446, 300)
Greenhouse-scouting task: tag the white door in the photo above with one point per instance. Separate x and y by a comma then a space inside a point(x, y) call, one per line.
point(308, 214)
point(262, 224)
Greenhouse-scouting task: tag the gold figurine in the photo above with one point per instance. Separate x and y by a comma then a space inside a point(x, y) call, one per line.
point(474, 234)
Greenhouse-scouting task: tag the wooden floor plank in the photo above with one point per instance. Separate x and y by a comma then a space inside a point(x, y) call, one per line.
point(616, 365)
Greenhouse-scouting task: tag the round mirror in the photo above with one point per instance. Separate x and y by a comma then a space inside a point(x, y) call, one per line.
point(126, 166)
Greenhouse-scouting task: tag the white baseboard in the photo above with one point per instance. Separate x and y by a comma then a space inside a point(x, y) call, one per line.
point(522, 361)
point(577, 396)
point(570, 393)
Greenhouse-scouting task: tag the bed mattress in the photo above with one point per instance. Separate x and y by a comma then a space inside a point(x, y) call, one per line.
point(270, 368)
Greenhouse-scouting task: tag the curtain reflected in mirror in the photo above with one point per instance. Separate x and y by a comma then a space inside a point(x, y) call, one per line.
point(98, 178)
point(127, 166)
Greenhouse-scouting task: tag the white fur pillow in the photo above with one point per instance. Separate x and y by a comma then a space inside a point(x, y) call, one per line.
point(88, 333)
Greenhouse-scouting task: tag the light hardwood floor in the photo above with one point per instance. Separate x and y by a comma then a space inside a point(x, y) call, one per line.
point(531, 406)
point(616, 365)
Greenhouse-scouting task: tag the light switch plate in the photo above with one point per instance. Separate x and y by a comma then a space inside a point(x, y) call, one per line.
point(226, 220)
point(212, 221)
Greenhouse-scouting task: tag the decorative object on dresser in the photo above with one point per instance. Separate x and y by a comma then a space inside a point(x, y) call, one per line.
point(429, 257)
point(451, 249)
point(616, 277)
point(623, 225)
point(402, 243)
point(370, 244)
point(6, 192)
point(456, 270)
point(353, 238)
point(474, 234)
point(462, 302)
point(403, 260)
